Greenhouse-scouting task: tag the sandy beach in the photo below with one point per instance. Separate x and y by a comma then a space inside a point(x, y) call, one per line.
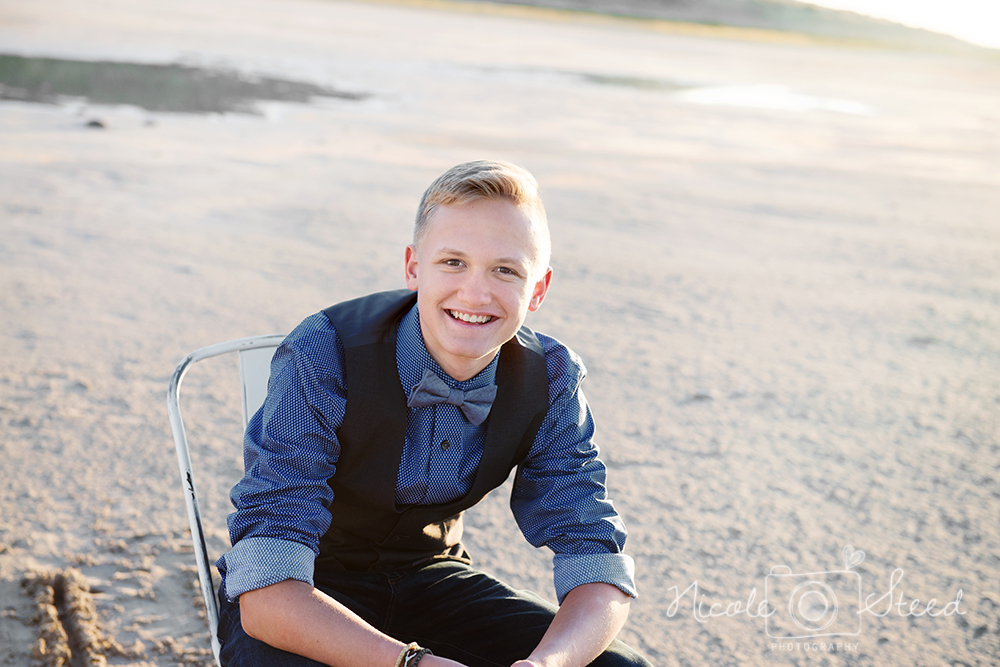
point(780, 261)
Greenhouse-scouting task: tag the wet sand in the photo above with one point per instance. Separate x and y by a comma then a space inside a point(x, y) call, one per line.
point(779, 262)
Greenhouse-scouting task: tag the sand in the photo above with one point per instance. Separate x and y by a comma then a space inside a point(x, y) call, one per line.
point(779, 262)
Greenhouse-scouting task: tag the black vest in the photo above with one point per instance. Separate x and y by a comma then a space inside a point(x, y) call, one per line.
point(369, 530)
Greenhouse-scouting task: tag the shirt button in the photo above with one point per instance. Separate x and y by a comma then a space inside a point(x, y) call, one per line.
point(445, 445)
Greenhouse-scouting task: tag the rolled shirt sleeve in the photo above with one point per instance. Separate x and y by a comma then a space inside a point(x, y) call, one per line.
point(559, 497)
point(256, 562)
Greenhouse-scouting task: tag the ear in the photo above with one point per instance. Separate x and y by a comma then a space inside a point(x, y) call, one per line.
point(410, 266)
point(540, 290)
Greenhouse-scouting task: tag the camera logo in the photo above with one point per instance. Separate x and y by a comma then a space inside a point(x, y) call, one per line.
point(819, 604)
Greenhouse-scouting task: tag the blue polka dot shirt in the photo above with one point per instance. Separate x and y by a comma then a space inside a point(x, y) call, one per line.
point(291, 450)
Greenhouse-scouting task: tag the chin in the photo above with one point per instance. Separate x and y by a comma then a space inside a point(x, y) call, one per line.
point(471, 353)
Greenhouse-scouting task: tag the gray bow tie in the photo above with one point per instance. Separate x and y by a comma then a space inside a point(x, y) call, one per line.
point(475, 404)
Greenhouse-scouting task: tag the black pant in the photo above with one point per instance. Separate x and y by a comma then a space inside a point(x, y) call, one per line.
point(455, 611)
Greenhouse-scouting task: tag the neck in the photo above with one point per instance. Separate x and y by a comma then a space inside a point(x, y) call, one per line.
point(463, 370)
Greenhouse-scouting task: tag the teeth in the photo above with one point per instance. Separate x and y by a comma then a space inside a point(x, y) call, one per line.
point(471, 319)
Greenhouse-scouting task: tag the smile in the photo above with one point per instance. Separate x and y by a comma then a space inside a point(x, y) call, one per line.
point(471, 319)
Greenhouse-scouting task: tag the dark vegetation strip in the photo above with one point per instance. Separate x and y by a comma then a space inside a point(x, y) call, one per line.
point(783, 15)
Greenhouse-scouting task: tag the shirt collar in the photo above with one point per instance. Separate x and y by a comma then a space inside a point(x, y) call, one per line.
point(412, 359)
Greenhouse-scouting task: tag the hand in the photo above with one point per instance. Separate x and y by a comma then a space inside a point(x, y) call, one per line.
point(525, 663)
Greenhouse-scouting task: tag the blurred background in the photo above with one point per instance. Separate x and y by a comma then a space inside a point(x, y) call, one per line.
point(775, 242)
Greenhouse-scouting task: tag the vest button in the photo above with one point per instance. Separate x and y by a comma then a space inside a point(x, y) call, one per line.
point(445, 445)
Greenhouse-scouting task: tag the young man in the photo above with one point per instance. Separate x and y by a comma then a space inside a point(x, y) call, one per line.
point(389, 415)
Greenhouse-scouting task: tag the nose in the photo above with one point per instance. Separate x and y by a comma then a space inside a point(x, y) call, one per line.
point(474, 290)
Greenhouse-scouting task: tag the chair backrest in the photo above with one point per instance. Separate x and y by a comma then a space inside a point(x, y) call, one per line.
point(255, 357)
point(255, 371)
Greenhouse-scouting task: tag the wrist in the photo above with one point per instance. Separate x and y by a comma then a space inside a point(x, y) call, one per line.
point(411, 655)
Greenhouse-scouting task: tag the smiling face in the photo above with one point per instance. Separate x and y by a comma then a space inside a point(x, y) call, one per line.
point(476, 272)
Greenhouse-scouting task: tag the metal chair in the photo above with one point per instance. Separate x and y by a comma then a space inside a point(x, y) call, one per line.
point(255, 360)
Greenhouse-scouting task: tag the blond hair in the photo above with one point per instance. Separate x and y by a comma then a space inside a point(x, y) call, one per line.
point(490, 180)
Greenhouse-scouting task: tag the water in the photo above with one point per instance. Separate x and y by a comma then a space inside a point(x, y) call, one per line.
point(177, 88)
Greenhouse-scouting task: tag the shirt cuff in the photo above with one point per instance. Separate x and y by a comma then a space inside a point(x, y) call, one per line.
point(570, 571)
point(256, 562)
